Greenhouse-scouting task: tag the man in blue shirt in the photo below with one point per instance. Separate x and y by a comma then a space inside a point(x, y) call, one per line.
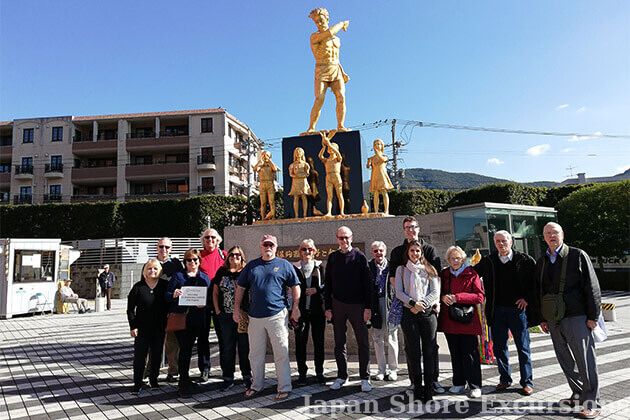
point(267, 279)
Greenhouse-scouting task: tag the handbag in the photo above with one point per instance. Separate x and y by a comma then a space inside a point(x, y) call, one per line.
point(459, 312)
point(176, 321)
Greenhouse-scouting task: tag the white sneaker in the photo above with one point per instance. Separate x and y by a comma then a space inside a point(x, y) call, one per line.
point(457, 389)
point(338, 383)
point(379, 377)
point(475, 393)
point(438, 388)
point(366, 386)
point(393, 376)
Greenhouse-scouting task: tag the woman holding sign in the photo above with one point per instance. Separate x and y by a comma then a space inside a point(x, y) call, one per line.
point(188, 293)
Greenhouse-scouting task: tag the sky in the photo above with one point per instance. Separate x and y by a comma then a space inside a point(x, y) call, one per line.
point(561, 66)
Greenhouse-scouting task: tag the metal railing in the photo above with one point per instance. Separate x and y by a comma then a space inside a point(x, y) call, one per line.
point(173, 133)
point(201, 159)
point(23, 199)
point(53, 167)
point(205, 190)
point(52, 198)
point(141, 135)
point(23, 169)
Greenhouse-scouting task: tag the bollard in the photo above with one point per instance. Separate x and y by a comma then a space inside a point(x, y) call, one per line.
point(608, 311)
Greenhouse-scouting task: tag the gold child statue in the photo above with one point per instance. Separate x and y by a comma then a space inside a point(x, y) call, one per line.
point(379, 181)
point(299, 171)
point(328, 71)
point(332, 163)
point(266, 170)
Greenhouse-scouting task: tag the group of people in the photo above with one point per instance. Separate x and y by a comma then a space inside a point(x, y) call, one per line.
point(252, 303)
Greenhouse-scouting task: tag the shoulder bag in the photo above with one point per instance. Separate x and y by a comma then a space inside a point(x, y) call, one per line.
point(458, 312)
point(176, 321)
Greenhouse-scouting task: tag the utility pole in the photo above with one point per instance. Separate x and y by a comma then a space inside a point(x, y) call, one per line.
point(248, 143)
point(394, 156)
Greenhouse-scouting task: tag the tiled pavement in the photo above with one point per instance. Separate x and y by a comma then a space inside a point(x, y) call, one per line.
point(79, 367)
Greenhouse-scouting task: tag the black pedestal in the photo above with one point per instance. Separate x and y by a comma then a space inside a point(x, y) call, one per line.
point(351, 170)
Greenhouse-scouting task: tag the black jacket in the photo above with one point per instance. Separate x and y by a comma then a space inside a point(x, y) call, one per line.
point(146, 308)
point(377, 317)
point(525, 269)
point(582, 295)
point(317, 300)
point(428, 251)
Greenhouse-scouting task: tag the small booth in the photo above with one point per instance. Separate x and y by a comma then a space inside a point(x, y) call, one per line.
point(474, 226)
point(29, 272)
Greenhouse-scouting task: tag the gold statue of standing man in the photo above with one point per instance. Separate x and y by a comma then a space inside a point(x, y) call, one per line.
point(328, 71)
point(332, 163)
point(299, 171)
point(379, 181)
point(266, 170)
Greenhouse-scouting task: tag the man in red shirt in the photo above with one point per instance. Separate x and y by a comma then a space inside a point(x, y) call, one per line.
point(212, 257)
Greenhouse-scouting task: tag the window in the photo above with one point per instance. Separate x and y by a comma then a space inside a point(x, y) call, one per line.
point(55, 190)
point(27, 161)
point(206, 125)
point(26, 191)
point(5, 168)
point(55, 161)
point(57, 133)
point(34, 266)
point(27, 135)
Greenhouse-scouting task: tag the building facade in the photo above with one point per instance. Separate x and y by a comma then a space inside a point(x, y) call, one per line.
point(173, 154)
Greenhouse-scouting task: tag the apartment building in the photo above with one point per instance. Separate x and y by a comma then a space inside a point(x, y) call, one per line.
point(173, 154)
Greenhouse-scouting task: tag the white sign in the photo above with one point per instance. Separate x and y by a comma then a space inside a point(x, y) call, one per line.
point(193, 296)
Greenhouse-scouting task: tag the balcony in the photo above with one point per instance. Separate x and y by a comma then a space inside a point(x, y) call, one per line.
point(5, 178)
point(52, 198)
point(53, 170)
point(206, 163)
point(6, 146)
point(205, 190)
point(160, 195)
point(23, 199)
point(23, 171)
point(143, 142)
point(101, 147)
point(94, 175)
point(92, 198)
point(156, 171)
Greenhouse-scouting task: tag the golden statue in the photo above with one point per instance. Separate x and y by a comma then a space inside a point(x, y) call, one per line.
point(313, 181)
point(332, 163)
point(300, 188)
point(328, 71)
point(379, 181)
point(266, 170)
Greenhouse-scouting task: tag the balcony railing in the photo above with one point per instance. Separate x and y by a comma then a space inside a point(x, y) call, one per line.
point(159, 162)
point(141, 135)
point(205, 190)
point(52, 198)
point(83, 164)
point(92, 198)
point(100, 137)
point(201, 159)
point(173, 133)
point(23, 199)
point(156, 195)
point(23, 169)
point(6, 141)
point(53, 167)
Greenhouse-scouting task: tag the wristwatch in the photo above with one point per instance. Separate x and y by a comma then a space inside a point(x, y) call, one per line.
point(412, 303)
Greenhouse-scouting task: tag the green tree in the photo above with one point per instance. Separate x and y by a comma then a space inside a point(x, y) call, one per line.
point(597, 219)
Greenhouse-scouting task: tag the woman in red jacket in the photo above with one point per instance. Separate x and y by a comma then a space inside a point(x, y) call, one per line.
point(462, 286)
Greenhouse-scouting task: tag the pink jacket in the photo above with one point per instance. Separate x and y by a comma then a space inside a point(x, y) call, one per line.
point(468, 290)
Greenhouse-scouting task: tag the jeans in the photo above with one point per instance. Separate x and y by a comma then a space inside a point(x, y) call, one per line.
point(147, 342)
point(232, 341)
point(512, 319)
point(353, 312)
point(186, 339)
point(316, 323)
point(420, 337)
point(464, 351)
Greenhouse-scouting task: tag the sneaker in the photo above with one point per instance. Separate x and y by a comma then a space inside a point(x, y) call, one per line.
point(457, 389)
point(170, 378)
point(366, 386)
point(379, 377)
point(475, 393)
point(204, 377)
point(338, 384)
point(438, 388)
point(81, 311)
point(392, 376)
point(227, 385)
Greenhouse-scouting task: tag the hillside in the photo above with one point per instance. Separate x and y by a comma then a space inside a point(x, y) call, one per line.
point(441, 180)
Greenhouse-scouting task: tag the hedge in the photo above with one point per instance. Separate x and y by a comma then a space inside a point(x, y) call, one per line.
point(177, 218)
point(419, 201)
point(500, 193)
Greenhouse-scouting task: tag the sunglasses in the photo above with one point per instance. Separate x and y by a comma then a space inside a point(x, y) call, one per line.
point(207, 238)
point(164, 247)
point(343, 237)
point(189, 260)
point(307, 249)
point(268, 245)
point(236, 254)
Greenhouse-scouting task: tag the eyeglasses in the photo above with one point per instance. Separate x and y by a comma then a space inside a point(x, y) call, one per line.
point(455, 258)
point(208, 237)
point(411, 227)
point(344, 238)
point(164, 247)
point(189, 260)
point(268, 244)
point(235, 255)
point(307, 249)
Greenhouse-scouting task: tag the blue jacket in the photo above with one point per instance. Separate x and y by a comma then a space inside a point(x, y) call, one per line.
point(197, 317)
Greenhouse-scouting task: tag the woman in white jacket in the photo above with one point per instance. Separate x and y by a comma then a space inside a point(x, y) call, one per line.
point(418, 288)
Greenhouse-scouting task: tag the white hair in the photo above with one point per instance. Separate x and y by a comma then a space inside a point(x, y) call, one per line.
point(554, 225)
point(503, 233)
point(378, 244)
point(455, 248)
point(210, 231)
point(309, 242)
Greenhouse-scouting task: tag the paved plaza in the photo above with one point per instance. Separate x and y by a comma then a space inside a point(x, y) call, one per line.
point(79, 367)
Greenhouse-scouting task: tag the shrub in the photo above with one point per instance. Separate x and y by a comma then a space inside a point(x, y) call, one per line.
point(418, 201)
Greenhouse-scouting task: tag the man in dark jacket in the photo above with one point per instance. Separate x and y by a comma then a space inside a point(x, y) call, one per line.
point(508, 280)
point(411, 231)
point(106, 280)
point(570, 307)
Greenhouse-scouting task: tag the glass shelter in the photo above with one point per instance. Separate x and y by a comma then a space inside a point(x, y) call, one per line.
point(474, 226)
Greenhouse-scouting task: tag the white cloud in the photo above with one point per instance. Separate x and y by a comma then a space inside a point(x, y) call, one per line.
point(594, 136)
point(622, 168)
point(538, 149)
point(495, 161)
point(581, 110)
point(561, 107)
point(567, 150)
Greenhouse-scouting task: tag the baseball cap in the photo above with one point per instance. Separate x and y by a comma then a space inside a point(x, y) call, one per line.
point(269, 238)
